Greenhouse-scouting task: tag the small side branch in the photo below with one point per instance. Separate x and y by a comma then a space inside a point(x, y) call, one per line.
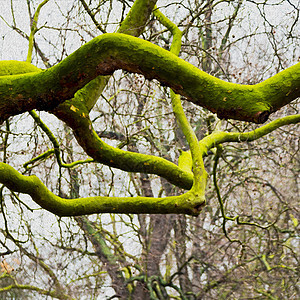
point(221, 137)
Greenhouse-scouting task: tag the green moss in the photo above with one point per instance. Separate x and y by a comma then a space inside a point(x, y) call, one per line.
point(185, 161)
point(137, 17)
point(103, 55)
point(74, 114)
point(106, 53)
point(14, 67)
point(186, 204)
point(217, 138)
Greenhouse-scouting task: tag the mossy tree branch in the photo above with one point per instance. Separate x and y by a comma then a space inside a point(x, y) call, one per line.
point(200, 175)
point(102, 56)
point(220, 137)
point(44, 90)
point(31, 185)
point(33, 30)
point(78, 119)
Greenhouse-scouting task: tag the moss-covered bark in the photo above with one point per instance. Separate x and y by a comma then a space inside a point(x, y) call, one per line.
point(188, 203)
point(137, 18)
point(77, 118)
point(221, 137)
point(109, 52)
point(24, 87)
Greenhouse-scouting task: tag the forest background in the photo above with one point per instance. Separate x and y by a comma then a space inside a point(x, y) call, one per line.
point(244, 244)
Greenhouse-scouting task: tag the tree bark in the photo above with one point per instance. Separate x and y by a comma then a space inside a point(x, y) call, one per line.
point(44, 90)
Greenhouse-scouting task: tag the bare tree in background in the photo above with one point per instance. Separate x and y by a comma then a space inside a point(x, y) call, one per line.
point(244, 242)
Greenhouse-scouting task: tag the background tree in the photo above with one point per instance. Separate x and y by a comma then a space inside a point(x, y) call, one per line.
point(245, 241)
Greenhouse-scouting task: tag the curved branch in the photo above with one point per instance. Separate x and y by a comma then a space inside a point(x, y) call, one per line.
point(44, 90)
point(75, 115)
point(221, 137)
point(189, 203)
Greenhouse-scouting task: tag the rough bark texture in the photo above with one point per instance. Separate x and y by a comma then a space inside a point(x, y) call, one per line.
point(44, 90)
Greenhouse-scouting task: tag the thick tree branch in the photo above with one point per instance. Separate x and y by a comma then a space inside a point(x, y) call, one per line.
point(78, 119)
point(138, 17)
point(188, 203)
point(44, 90)
point(134, 24)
